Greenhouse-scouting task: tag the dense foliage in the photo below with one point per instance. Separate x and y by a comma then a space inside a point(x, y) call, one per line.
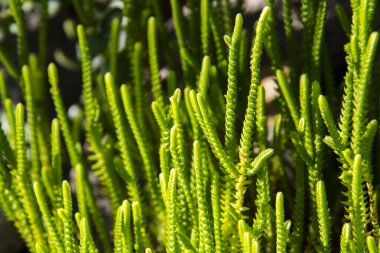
point(181, 151)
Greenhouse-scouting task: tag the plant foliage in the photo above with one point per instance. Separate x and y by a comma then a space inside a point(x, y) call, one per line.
point(175, 129)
